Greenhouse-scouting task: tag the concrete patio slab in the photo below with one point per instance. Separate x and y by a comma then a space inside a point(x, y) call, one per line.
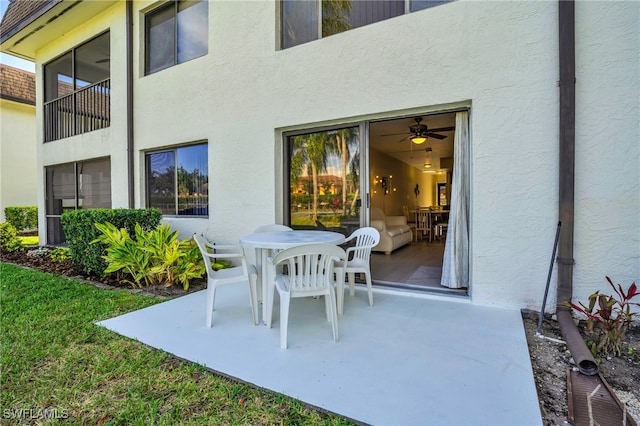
point(407, 360)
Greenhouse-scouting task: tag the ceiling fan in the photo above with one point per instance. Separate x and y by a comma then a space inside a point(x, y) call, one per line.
point(418, 133)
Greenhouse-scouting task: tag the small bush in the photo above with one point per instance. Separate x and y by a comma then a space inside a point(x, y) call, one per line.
point(612, 315)
point(60, 254)
point(79, 229)
point(154, 257)
point(22, 217)
point(9, 240)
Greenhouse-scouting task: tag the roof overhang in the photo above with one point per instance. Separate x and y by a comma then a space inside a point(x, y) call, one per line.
point(49, 22)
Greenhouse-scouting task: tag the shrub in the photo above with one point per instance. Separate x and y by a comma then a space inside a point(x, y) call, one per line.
point(22, 217)
point(60, 254)
point(154, 257)
point(9, 240)
point(612, 316)
point(80, 231)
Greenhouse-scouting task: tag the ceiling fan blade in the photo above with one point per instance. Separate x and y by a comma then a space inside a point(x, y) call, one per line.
point(435, 136)
point(442, 129)
point(396, 134)
point(404, 139)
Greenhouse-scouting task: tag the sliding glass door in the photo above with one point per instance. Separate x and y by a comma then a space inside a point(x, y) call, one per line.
point(324, 179)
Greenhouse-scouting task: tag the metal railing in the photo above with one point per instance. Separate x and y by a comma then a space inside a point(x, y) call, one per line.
point(82, 111)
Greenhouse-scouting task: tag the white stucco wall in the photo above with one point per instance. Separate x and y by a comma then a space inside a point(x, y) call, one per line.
point(18, 177)
point(499, 58)
point(110, 142)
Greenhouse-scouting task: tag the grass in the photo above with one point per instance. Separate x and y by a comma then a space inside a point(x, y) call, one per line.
point(55, 362)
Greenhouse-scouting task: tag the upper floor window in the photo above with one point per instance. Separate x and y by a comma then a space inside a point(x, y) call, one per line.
point(77, 88)
point(301, 23)
point(178, 180)
point(176, 33)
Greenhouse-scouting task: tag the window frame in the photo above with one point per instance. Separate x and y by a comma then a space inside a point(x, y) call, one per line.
point(175, 5)
point(51, 217)
point(410, 6)
point(175, 150)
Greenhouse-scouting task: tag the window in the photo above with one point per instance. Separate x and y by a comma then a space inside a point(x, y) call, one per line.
point(176, 33)
point(72, 186)
point(178, 181)
point(77, 88)
point(300, 22)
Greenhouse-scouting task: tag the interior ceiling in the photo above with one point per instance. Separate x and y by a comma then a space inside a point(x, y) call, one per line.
point(399, 144)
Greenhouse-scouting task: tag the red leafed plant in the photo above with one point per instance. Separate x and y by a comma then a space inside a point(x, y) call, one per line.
point(612, 314)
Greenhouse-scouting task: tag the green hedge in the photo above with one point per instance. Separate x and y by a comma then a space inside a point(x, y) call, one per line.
point(22, 217)
point(79, 229)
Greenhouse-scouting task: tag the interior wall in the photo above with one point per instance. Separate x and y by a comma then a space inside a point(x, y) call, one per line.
point(404, 179)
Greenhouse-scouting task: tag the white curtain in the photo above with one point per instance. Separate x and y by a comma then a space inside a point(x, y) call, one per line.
point(455, 265)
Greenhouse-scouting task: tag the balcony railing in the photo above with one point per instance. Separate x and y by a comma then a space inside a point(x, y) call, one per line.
point(83, 111)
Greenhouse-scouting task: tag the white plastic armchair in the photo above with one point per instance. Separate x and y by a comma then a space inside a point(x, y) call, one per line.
point(245, 272)
point(272, 227)
point(358, 261)
point(310, 273)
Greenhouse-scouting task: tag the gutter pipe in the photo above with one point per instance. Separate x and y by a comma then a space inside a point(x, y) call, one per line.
point(566, 39)
point(129, 71)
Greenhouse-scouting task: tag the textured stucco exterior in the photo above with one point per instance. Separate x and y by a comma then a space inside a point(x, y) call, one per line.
point(18, 172)
point(499, 59)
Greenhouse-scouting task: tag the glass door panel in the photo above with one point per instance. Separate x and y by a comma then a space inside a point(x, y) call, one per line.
point(324, 180)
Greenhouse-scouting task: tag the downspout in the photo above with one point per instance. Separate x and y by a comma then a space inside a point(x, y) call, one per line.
point(579, 351)
point(129, 113)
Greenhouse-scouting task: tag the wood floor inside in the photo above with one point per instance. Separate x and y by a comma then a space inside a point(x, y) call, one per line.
point(417, 265)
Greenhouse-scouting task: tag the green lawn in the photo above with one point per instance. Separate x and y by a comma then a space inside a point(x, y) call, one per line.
point(55, 362)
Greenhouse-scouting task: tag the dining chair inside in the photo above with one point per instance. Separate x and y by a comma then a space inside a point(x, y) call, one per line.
point(245, 272)
point(423, 223)
point(358, 261)
point(310, 273)
point(411, 221)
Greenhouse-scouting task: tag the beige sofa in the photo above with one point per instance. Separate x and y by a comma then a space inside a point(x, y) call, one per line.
point(394, 231)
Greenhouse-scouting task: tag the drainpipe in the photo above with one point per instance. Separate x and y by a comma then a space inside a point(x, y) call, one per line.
point(579, 351)
point(129, 113)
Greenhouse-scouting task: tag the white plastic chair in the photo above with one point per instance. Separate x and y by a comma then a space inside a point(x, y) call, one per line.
point(272, 227)
point(237, 274)
point(310, 273)
point(358, 259)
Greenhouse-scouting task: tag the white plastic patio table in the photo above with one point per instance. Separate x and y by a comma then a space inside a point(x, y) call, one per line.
point(262, 242)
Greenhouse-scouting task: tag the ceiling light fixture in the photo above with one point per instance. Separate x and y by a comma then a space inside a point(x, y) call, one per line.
point(418, 139)
point(427, 160)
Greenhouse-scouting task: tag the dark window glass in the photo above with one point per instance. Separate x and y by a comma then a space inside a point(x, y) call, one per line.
point(58, 77)
point(94, 184)
point(175, 34)
point(161, 40)
point(425, 4)
point(93, 61)
point(178, 181)
point(365, 12)
point(300, 17)
point(193, 30)
point(299, 22)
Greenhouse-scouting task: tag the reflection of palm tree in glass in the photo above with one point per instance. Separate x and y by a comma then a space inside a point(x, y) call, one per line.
point(311, 151)
point(345, 138)
point(355, 178)
point(335, 16)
